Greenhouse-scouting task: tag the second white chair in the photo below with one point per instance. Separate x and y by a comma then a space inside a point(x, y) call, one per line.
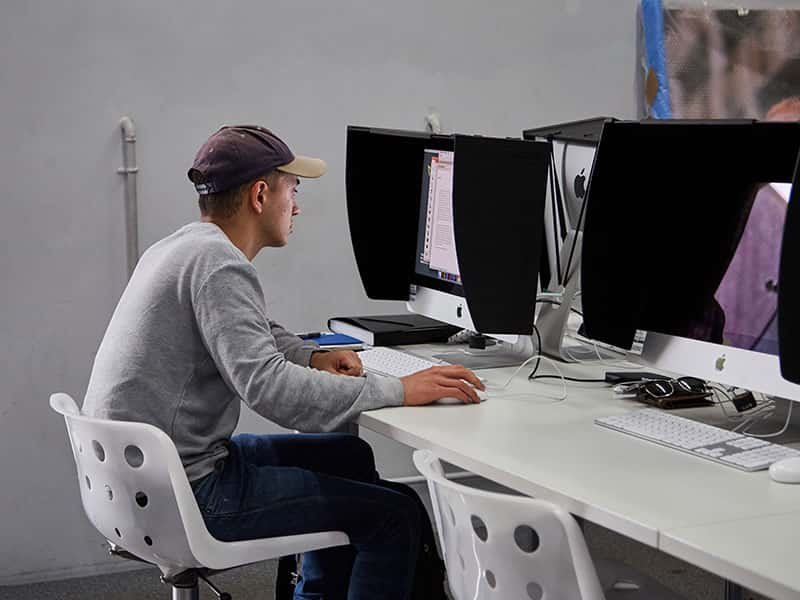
point(505, 547)
point(501, 546)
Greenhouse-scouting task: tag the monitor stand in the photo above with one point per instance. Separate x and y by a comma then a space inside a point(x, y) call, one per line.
point(501, 354)
point(552, 319)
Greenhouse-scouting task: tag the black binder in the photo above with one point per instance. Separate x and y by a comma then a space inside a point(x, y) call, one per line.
point(393, 330)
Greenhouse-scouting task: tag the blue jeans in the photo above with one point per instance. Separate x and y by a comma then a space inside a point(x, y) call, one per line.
point(274, 485)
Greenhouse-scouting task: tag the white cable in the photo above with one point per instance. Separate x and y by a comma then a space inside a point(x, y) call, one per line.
point(718, 389)
point(757, 414)
point(776, 433)
point(519, 368)
point(606, 362)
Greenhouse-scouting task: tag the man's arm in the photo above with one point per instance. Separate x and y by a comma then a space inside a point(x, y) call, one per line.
point(295, 349)
point(230, 313)
point(308, 354)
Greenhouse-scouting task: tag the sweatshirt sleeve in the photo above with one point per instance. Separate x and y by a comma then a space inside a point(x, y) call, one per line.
point(229, 308)
point(292, 347)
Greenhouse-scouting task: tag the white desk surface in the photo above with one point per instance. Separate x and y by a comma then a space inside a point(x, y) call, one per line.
point(526, 441)
point(761, 553)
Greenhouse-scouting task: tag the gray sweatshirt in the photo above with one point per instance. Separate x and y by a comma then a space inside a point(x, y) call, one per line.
point(190, 339)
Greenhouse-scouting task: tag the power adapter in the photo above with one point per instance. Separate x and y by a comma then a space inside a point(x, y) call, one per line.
point(744, 401)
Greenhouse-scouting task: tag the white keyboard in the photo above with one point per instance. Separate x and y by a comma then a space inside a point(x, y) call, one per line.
point(396, 363)
point(706, 441)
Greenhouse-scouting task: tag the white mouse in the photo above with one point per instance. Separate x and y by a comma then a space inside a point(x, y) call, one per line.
point(786, 470)
point(482, 395)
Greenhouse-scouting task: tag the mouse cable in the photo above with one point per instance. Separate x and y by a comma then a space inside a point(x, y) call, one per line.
point(537, 357)
point(761, 412)
point(776, 433)
point(567, 378)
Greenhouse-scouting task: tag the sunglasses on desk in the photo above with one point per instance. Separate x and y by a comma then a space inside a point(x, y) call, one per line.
point(663, 388)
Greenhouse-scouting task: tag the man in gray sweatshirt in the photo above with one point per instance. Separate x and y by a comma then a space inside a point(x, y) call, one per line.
point(191, 338)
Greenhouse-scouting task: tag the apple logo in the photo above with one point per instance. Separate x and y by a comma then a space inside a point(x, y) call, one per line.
point(719, 364)
point(580, 184)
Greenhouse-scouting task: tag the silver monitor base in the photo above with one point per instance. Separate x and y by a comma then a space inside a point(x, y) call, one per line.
point(501, 354)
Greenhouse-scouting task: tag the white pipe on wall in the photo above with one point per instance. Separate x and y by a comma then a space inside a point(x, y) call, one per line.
point(129, 171)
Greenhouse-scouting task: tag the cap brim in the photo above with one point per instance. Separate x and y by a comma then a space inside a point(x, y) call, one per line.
point(305, 166)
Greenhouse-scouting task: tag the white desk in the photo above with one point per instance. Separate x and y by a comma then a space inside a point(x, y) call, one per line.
point(694, 509)
point(760, 553)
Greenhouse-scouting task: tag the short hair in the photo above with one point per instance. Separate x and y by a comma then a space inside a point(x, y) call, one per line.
point(225, 204)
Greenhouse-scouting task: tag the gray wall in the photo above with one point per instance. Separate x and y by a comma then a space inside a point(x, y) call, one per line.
point(69, 71)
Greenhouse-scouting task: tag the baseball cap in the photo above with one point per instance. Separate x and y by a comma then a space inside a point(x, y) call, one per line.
point(237, 154)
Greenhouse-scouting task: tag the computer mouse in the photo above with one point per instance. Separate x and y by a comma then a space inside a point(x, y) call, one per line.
point(786, 470)
point(450, 400)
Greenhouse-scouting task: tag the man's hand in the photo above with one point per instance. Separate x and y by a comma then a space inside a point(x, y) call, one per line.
point(452, 381)
point(338, 362)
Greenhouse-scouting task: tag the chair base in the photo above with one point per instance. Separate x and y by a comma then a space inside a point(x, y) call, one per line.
point(185, 585)
point(190, 593)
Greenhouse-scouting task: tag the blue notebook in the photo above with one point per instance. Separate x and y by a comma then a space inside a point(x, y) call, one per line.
point(336, 339)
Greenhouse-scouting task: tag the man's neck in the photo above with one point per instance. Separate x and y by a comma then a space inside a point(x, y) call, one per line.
point(239, 234)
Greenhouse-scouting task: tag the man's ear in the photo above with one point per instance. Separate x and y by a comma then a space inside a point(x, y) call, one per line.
point(258, 196)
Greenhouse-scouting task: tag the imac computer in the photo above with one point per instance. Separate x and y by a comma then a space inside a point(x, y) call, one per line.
point(683, 240)
point(436, 289)
point(572, 157)
point(453, 225)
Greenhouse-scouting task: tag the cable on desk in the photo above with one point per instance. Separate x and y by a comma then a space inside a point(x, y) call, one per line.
point(567, 378)
point(600, 360)
point(717, 390)
point(781, 431)
point(721, 390)
point(538, 350)
point(764, 411)
point(538, 358)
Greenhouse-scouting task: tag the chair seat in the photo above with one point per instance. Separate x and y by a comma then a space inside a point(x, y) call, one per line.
point(217, 555)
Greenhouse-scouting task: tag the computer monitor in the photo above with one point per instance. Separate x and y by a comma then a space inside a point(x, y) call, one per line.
point(573, 148)
point(452, 224)
point(683, 240)
point(436, 289)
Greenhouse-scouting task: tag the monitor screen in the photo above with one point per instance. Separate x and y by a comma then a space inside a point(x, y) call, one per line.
point(683, 240)
point(746, 301)
point(436, 263)
point(742, 312)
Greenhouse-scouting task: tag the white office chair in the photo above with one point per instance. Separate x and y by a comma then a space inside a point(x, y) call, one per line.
point(499, 546)
point(135, 492)
point(502, 546)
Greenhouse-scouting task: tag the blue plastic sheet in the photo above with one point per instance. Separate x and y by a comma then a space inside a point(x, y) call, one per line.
point(655, 55)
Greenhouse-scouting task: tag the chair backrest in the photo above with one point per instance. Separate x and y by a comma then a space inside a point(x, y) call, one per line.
point(510, 547)
point(133, 486)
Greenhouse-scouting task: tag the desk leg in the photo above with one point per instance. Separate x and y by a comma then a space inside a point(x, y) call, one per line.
point(733, 591)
